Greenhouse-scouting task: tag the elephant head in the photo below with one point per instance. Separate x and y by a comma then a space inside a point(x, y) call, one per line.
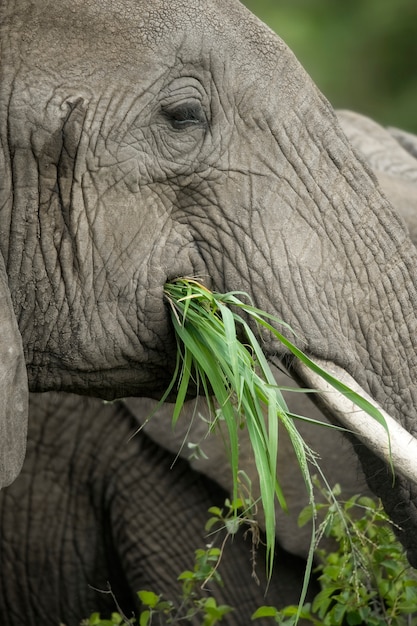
point(146, 141)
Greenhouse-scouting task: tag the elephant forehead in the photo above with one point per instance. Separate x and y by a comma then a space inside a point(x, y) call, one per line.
point(115, 30)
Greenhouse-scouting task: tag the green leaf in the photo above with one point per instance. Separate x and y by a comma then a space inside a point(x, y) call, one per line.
point(215, 510)
point(306, 515)
point(145, 618)
point(186, 575)
point(265, 611)
point(211, 522)
point(148, 598)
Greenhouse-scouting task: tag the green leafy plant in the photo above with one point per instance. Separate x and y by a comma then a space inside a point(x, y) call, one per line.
point(157, 610)
point(116, 619)
point(367, 580)
point(192, 601)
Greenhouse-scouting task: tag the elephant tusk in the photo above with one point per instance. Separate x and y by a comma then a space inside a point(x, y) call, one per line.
point(403, 451)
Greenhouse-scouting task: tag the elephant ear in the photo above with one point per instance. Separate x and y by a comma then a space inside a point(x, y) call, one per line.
point(14, 393)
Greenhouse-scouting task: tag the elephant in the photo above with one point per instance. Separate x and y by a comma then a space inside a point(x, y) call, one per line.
point(96, 509)
point(142, 143)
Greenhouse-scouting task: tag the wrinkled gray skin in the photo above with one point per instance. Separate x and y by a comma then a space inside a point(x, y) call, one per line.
point(392, 155)
point(143, 142)
point(94, 506)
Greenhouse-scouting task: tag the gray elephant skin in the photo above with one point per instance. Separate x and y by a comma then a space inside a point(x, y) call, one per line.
point(95, 508)
point(142, 142)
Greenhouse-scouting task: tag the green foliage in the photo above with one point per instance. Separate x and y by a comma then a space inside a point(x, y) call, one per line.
point(192, 602)
point(116, 620)
point(367, 580)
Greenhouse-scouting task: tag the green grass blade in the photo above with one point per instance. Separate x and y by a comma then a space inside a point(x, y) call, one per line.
point(243, 384)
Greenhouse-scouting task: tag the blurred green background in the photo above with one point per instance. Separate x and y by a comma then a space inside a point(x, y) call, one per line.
point(361, 53)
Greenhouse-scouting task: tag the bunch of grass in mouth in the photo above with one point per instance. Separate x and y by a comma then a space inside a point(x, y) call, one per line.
point(212, 359)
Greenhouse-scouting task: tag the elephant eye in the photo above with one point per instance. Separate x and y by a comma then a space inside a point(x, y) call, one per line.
point(186, 115)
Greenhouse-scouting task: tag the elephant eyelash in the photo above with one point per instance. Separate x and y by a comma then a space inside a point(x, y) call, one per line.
point(185, 116)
